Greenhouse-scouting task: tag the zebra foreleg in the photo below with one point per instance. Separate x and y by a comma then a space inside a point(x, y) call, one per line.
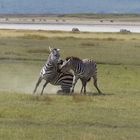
point(37, 84)
point(44, 87)
point(81, 89)
point(75, 79)
point(84, 84)
point(96, 86)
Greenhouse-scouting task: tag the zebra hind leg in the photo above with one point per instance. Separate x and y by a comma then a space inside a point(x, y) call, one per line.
point(84, 83)
point(37, 84)
point(96, 86)
point(44, 87)
point(82, 86)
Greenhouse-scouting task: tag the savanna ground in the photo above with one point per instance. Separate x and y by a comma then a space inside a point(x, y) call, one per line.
point(115, 116)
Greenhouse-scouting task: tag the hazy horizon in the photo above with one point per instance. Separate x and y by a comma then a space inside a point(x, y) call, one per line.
point(68, 6)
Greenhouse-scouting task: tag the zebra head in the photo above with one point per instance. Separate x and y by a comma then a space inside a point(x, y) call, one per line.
point(54, 54)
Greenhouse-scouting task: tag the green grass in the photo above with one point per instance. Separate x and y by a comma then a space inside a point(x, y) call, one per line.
point(65, 117)
point(74, 17)
point(118, 17)
point(115, 116)
point(103, 48)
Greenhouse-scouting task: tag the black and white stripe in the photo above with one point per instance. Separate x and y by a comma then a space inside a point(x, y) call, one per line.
point(52, 75)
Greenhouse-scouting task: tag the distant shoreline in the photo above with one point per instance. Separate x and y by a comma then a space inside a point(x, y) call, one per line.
point(101, 19)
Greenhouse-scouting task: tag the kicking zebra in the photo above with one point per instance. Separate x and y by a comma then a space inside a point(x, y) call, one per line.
point(83, 69)
point(51, 75)
point(83, 80)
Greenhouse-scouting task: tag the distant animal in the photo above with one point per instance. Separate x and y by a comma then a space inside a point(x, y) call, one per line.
point(75, 30)
point(83, 69)
point(124, 31)
point(50, 73)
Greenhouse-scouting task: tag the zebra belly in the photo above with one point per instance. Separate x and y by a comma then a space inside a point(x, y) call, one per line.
point(63, 79)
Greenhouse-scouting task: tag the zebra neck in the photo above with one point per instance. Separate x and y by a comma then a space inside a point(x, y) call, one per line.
point(50, 66)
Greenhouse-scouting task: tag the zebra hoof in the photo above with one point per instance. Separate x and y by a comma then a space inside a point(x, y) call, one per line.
point(72, 91)
point(63, 92)
point(60, 92)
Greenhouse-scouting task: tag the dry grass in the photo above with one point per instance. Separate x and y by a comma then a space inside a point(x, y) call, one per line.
point(50, 34)
point(44, 98)
point(46, 51)
point(78, 98)
point(65, 117)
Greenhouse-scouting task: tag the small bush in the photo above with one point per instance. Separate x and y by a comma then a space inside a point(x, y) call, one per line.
point(44, 98)
point(31, 36)
point(38, 51)
point(88, 44)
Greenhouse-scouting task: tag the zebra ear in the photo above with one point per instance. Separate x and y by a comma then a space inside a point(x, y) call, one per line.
point(68, 60)
point(50, 49)
point(58, 50)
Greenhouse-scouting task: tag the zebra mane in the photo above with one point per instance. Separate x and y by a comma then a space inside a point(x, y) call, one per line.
point(73, 58)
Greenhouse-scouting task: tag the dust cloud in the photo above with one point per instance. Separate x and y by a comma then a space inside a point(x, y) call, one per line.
point(22, 77)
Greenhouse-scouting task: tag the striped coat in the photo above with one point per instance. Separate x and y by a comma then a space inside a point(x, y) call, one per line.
point(83, 69)
point(50, 74)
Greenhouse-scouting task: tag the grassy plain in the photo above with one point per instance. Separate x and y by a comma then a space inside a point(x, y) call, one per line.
point(113, 116)
point(104, 17)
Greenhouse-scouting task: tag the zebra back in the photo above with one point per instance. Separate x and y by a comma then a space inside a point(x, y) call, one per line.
point(82, 68)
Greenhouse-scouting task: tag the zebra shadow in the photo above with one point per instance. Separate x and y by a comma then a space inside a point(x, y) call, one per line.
point(97, 94)
point(87, 94)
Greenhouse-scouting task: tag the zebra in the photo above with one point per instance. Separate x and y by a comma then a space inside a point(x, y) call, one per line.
point(83, 80)
point(83, 69)
point(50, 73)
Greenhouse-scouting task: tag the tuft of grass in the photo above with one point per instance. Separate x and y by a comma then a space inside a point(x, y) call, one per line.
point(38, 51)
point(81, 98)
point(75, 117)
point(12, 53)
point(33, 36)
point(88, 44)
point(45, 98)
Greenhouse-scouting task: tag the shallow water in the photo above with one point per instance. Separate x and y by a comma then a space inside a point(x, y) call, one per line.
point(68, 27)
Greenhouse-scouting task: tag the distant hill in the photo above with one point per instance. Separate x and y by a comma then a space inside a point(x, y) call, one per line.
point(68, 6)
